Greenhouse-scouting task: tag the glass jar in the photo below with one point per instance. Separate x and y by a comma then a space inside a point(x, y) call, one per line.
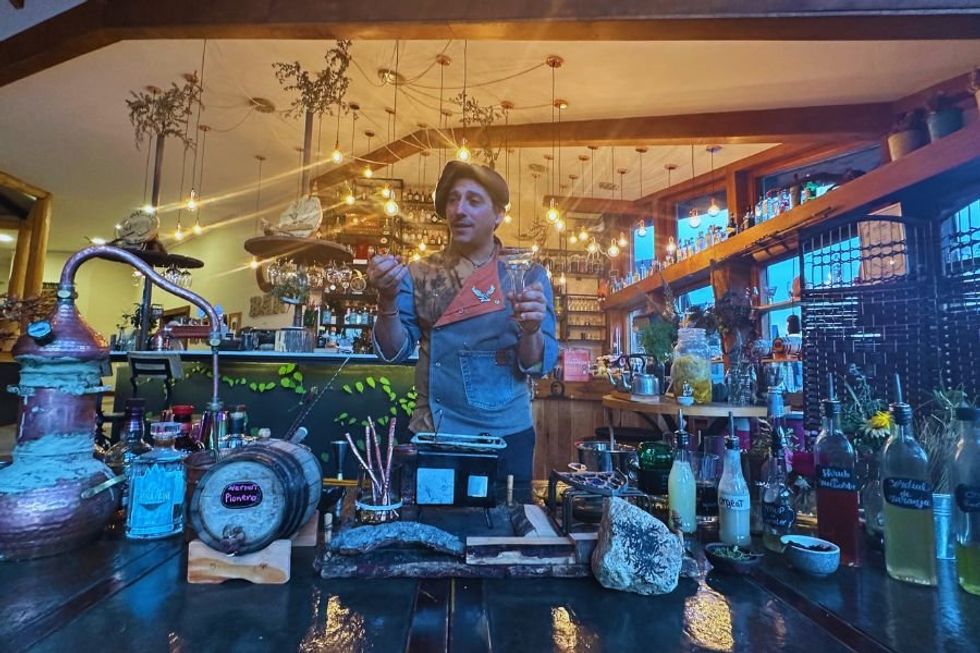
point(692, 365)
point(373, 507)
point(157, 487)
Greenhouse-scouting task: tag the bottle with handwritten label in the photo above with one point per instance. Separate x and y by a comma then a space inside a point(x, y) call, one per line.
point(733, 496)
point(910, 549)
point(778, 514)
point(837, 490)
point(965, 481)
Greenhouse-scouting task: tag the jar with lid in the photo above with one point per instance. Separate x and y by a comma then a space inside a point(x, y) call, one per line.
point(692, 365)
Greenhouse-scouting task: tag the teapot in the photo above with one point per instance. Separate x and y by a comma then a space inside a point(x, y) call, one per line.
point(631, 377)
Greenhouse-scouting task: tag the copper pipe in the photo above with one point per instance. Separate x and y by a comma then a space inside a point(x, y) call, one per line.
point(66, 292)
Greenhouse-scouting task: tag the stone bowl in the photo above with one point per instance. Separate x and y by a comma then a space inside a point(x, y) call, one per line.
point(811, 555)
point(730, 565)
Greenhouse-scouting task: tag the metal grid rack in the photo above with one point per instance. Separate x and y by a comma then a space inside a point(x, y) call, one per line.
point(959, 299)
point(868, 297)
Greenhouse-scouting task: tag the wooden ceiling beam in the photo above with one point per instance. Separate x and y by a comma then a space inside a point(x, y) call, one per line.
point(97, 23)
point(834, 123)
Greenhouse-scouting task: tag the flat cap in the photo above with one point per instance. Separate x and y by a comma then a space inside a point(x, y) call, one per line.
point(492, 182)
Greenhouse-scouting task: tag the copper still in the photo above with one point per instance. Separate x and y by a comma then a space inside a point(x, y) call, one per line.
point(42, 511)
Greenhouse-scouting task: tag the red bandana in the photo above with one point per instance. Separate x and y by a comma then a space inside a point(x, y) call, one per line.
point(479, 295)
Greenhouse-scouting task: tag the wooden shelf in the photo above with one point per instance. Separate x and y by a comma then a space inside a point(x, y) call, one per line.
point(883, 185)
point(775, 306)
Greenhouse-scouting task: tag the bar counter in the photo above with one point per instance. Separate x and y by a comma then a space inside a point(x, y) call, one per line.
point(117, 595)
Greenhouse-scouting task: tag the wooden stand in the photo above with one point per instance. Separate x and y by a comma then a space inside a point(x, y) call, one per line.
point(270, 566)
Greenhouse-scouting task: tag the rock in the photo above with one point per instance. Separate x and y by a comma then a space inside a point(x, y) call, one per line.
point(635, 551)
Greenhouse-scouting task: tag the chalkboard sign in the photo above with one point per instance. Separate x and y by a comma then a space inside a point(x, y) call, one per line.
point(968, 498)
point(836, 478)
point(908, 493)
point(778, 516)
point(241, 495)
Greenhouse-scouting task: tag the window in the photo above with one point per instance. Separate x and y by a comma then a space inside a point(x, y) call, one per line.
point(833, 265)
point(643, 251)
point(703, 296)
point(961, 236)
point(777, 288)
point(703, 220)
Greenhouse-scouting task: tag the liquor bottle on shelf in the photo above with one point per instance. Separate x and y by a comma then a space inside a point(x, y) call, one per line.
point(965, 480)
point(910, 546)
point(132, 442)
point(837, 490)
point(733, 495)
point(680, 482)
point(778, 515)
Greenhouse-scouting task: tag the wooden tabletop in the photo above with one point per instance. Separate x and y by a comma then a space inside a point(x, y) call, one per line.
point(668, 406)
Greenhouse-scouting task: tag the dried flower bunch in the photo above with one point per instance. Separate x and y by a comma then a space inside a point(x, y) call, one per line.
point(318, 92)
point(937, 429)
point(164, 113)
point(863, 416)
point(485, 116)
point(377, 468)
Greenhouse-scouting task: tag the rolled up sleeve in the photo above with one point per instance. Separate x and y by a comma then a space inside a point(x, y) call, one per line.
point(406, 315)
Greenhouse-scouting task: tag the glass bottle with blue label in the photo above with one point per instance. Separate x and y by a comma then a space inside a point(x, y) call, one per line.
point(910, 549)
point(156, 487)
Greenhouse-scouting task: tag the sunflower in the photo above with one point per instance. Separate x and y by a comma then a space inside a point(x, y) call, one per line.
point(880, 421)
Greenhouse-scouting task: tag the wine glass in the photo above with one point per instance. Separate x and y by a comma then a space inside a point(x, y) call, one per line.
point(517, 261)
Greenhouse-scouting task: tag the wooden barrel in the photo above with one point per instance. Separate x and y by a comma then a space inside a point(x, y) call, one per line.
point(255, 495)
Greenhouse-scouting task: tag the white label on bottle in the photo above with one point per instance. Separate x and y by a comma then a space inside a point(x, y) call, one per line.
point(735, 502)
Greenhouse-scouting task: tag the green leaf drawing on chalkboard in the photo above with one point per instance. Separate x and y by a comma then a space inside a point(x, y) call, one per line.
point(253, 386)
point(286, 382)
point(351, 421)
point(359, 386)
point(383, 421)
point(341, 417)
point(348, 390)
point(384, 380)
point(298, 376)
point(300, 390)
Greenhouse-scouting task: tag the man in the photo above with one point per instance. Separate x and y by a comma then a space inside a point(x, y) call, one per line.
point(478, 339)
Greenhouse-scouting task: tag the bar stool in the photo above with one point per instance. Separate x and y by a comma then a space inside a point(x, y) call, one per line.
point(155, 365)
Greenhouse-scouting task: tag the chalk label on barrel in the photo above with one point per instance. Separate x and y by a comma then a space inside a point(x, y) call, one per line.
point(241, 495)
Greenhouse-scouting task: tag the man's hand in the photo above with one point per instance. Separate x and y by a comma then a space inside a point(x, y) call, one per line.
point(530, 307)
point(384, 274)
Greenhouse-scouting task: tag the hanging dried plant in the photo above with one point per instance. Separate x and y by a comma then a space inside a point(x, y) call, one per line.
point(164, 113)
point(318, 92)
point(475, 113)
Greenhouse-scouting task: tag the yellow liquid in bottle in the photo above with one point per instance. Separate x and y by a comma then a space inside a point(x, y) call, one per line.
point(968, 567)
point(681, 495)
point(910, 549)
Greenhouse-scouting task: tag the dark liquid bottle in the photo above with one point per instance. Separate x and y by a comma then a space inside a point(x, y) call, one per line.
point(837, 491)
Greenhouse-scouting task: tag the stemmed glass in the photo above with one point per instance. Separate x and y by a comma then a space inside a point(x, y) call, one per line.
point(517, 261)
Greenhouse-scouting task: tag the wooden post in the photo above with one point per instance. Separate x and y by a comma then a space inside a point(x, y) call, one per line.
point(18, 273)
point(307, 151)
point(40, 219)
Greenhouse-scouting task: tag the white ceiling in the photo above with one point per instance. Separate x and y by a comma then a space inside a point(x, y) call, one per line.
point(66, 129)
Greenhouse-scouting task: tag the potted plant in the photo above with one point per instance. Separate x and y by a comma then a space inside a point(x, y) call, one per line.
point(944, 116)
point(937, 429)
point(907, 134)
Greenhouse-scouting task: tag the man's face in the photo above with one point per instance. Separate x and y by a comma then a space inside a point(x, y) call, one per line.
point(471, 215)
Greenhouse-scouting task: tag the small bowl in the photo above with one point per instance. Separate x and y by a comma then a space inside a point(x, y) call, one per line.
point(729, 565)
point(685, 400)
point(799, 551)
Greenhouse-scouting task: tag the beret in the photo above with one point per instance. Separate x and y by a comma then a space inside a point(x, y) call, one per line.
point(492, 182)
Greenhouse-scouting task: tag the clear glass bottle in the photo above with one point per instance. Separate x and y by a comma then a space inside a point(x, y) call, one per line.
point(157, 481)
point(681, 490)
point(965, 480)
point(132, 442)
point(692, 365)
point(778, 514)
point(837, 491)
point(910, 549)
point(733, 498)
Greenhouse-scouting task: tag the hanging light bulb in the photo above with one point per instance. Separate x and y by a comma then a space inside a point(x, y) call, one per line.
point(573, 239)
point(337, 156)
point(196, 229)
point(694, 218)
point(179, 233)
point(350, 199)
point(642, 231)
point(507, 218)
point(535, 248)
point(562, 280)
point(422, 246)
point(613, 250)
point(149, 208)
point(463, 153)
point(622, 242)
point(386, 192)
point(416, 256)
point(391, 207)
point(254, 263)
point(583, 235)
point(192, 201)
point(713, 209)
point(592, 247)
point(368, 173)
point(552, 215)
point(560, 225)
